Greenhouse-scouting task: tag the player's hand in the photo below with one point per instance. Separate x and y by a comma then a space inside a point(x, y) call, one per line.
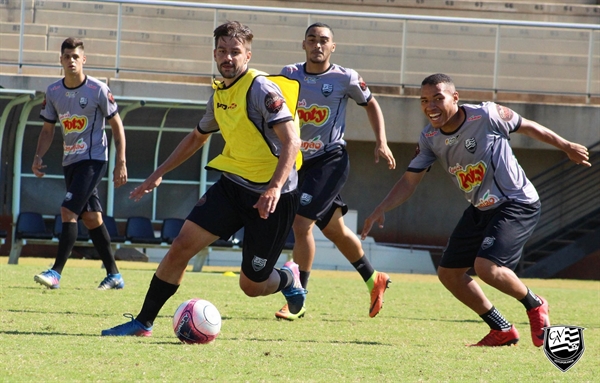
point(37, 166)
point(376, 216)
point(120, 175)
point(579, 154)
point(267, 202)
point(385, 152)
point(146, 187)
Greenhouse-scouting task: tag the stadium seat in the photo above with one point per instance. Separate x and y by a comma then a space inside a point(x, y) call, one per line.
point(82, 231)
point(140, 230)
point(31, 225)
point(170, 229)
point(112, 228)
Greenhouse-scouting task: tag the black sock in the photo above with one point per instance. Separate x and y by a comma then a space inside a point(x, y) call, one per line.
point(531, 300)
point(286, 278)
point(304, 275)
point(158, 294)
point(65, 245)
point(495, 320)
point(364, 268)
point(101, 241)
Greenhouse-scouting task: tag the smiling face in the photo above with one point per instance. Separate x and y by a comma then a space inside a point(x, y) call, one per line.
point(440, 104)
point(232, 58)
point(318, 45)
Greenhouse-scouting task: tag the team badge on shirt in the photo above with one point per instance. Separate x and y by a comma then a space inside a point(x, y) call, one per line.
point(83, 101)
point(471, 145)
point(111, 98)
point(327, 89)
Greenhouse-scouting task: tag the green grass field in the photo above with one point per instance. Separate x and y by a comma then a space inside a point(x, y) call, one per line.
point(420, 335)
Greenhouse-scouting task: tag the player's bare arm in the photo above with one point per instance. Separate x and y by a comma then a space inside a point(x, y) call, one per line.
point(44, 141)
point(577, 153)
point(118, 133)
point(186, 148)
point(402, 190)
point(378, 125)
point(286, 132)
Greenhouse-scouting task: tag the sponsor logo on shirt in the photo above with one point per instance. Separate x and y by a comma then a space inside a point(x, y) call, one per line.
point(487, 200)
point(72, 124)
point(452, 140)
point(79, 147)
point(311, 80)
point(506, 114)
point(474, 118)
point(70, 94)
point(312, 145)
point(362, 84)
point(315, 115)
point(432, 133)
point(274, 102)
point(470, 177)
point(225, 107)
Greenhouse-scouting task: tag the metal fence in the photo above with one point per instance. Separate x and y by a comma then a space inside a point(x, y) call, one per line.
point(138, 39)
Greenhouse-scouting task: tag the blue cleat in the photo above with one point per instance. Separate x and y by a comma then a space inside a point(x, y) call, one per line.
point(295, 294)
point(131, 328)
point(48, 278)
point(112, 281)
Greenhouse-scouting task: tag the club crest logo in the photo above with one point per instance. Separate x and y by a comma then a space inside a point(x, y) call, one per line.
point(258, 263)
point(563, 345)
point(470, 145)
point(83, 101)
point(487, 243)
point(305, 199)
point(327, 89)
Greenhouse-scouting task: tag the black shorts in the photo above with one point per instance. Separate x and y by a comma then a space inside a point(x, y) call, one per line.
point(82, 179)
point(321, 180)
point(498, 235)
point(226, 207)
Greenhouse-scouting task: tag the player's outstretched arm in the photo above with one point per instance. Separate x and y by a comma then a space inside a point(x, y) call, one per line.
point(186, 148)
point(378, 125)
point(576, 152)
point(402, 190)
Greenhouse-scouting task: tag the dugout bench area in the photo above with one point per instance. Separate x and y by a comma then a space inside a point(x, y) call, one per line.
point(31, 229)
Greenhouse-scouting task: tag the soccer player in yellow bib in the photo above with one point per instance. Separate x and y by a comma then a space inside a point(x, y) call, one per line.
point(258, 187)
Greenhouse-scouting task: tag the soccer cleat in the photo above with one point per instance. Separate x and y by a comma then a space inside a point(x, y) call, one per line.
point(112, 281)
point(538, 319)
point(499, 338)
point(382, 281)
point(48, 278)
point(131, 328)
point(285, 313)
point(295, 294)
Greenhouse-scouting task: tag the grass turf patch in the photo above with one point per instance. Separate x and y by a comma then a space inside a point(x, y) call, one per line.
point(420, 335)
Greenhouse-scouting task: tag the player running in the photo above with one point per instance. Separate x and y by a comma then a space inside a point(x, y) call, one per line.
point(472, 144)
point(324, 92)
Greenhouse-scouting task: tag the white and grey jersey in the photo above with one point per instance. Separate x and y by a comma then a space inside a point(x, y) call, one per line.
point(322, 105)
point(478, 157)
point(81, 112)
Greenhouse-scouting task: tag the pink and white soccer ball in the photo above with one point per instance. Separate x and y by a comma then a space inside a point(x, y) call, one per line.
point(197, 321)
